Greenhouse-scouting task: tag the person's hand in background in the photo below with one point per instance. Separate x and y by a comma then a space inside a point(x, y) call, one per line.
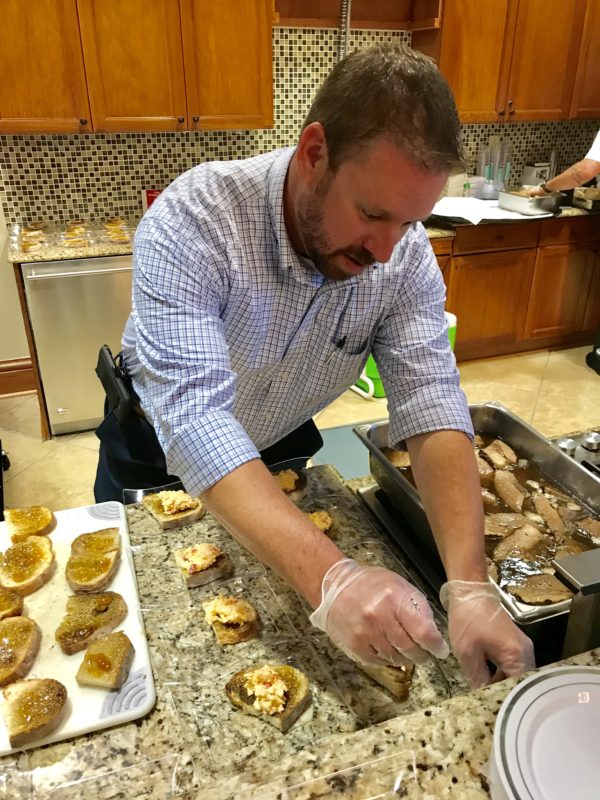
point(375, 616)
point(480, 630)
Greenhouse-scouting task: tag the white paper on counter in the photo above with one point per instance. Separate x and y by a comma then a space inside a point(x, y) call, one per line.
point(475, 210)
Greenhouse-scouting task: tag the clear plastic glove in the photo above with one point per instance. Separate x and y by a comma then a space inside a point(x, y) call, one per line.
point(481, 630)
point(375, 616)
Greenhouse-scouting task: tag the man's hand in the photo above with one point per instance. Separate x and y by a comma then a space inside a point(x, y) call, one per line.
point(481, 630)
point(536, 191)
point(375, 616)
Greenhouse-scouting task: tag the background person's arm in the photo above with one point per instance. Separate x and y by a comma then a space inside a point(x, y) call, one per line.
point(576, 175)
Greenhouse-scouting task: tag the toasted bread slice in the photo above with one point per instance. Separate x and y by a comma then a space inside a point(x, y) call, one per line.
point(277, 694)
point(11, 603)
point(202, 563)
point(174, 509)
point(397, 680)
point(20, 639)
point(107, 662)
point(27, 565)
point(291, 482)
point(33, 709)
point(92, 573)
point(88, 617)
point(232, 619)
point(100, 542)
point(31, 521)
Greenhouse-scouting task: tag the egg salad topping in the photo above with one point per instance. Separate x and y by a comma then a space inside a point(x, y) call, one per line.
point(229, 611)
point(172, 502)
point(286, 479)
point(200, 556)
point(268, 689)
point(321, 519)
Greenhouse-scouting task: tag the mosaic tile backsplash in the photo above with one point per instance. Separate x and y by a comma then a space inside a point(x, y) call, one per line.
point(94, 176)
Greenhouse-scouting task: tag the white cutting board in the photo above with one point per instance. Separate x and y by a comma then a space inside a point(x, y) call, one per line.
point(90, 709)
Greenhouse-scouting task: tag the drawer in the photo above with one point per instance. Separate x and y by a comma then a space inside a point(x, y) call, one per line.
point(569, 230)
point(442, 246)
point(495, 236)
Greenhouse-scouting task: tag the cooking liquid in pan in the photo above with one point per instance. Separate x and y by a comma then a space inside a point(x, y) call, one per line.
point(511, 571)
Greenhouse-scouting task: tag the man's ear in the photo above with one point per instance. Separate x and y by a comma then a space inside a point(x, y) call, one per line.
point(312, 156)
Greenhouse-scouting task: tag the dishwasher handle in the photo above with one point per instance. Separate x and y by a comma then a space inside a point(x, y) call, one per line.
point(75, 274)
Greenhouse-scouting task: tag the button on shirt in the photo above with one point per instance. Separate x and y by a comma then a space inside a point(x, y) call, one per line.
point(234, 340)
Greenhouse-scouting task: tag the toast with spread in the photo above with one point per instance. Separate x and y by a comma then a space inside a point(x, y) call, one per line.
point(30, 521)
point(20, 639)
point(27, 565)
point(397, 680)
point(292, 483)
point(94, 560)
point(232, 619)
point(277, 694)
point(33, 709)
point(11, 603)
point(88, 617)
point(173, 509)
point(107, 662)
point(202, 563)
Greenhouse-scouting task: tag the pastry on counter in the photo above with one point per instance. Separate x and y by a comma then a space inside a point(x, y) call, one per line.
point(277, 694)
point(107, 662)
point(232, 619)
point(292, 483)
point(88, 617)
point(202, 563)
point(173, 509)
point(30, 521)
point(33, 709)
point(27, 565)
point(20, 639)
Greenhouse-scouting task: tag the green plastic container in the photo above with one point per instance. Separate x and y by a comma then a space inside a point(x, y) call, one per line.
point(370, 370)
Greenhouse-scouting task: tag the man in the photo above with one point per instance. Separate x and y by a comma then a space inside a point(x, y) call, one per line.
point(576, 175)
point(260, 288)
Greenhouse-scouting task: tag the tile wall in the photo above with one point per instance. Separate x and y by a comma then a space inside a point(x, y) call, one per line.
point(58, 177)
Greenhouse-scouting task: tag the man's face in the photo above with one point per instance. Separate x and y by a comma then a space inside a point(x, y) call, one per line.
point(349, 220)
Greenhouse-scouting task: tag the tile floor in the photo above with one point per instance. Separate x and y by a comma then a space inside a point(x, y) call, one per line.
point(554, 391)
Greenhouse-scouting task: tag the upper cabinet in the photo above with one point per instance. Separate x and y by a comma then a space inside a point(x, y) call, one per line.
point(387, 14)
point(586, 92)
point(511, 60)
point(228, 63)
point(134, 64)
point(42, 84)
point(145, 65)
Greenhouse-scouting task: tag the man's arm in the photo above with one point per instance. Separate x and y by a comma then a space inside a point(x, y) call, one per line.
point(576, 175)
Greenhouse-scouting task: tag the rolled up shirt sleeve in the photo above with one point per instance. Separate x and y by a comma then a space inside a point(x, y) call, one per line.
point(413, 353)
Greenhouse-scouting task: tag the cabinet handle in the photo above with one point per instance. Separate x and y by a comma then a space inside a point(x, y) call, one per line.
point(510, 107)
point(180, 119)
point(195, 118)
point(83, 121)
point(501, 113)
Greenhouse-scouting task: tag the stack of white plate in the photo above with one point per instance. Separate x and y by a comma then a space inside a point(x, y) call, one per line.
point(547, 738)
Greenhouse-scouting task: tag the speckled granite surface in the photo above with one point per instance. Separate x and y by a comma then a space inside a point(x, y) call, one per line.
point(352, 742)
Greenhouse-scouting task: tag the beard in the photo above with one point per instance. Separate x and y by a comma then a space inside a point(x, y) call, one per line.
point(311, 225)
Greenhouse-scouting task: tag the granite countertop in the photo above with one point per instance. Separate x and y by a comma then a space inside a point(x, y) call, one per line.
point(352, 742)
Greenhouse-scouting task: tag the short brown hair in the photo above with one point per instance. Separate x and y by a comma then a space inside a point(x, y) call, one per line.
point(394, 91)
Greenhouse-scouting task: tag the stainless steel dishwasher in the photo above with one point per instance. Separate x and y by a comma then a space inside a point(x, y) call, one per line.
point(75, 307)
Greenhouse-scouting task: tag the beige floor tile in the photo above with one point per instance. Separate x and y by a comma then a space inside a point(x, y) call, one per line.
point(521, 372)
point(87, 439)
point(350, 408)
point(24, 450)
point(520, 401)
point(61, 479)
point(557, 414)
point(568, 374)
point(21, 414)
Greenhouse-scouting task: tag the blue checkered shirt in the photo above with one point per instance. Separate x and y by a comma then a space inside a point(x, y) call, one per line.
point(234, 340)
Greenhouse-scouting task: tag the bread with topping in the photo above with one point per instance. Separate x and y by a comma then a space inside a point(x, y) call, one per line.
point(88, 617)
point(30, 521)
point(202, 563)
point(321, 519)
point(33, 709)
point(107, 662)
point(94, 560)
point(232, 619)
point(277, 694)
point(397, 680)
point(293, 483)
point(20, 639)
point(11, 603)
point(173, 509)
point(27, 565)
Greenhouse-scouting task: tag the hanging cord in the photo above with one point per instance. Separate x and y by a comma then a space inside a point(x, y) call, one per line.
point(344, 28)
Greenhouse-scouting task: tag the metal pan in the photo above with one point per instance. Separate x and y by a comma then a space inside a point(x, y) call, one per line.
point(530, 206)
point(491, 419)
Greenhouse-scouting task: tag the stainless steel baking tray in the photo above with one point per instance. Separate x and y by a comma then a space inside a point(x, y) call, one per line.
point(491, 419)
point(531, 206)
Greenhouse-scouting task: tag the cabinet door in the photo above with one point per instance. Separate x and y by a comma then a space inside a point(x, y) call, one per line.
point(444, 265)
point(545, 53)
point(488, 293)
point(134, 64)
point(586, 92)
point(42, 83)
point(591, 319)
point(559, 291)
point(228, 63)
point(475, 55)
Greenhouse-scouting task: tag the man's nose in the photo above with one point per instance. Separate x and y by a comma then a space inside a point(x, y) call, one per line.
point(381, 243)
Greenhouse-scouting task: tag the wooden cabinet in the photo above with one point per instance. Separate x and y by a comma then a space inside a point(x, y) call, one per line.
point(134, 64)
point(488, 293)
point(407, 15)
point(559, 291)
point(146, 65)
point(42, 83)
point(586, 92)
point(508, 59)
point(591, 319)
point(228, 63)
